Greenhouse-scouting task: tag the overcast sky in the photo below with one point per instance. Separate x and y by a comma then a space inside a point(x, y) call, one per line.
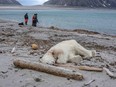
point(32, 2)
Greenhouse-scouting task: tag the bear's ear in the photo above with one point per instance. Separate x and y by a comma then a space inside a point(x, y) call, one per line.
point(53, 53)
point(93, 53)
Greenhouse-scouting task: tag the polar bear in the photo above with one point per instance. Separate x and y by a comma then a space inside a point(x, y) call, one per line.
point(66, 51)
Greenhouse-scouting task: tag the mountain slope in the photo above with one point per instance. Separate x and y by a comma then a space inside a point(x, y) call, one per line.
point(9, 2)
point(83, 3)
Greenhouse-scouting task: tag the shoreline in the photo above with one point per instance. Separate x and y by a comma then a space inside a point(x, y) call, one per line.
point(62, 8)
point(12, 35)
point(48, 7)
point(82, 31)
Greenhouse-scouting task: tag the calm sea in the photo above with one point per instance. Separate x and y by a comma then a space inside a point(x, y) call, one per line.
point(100, 20)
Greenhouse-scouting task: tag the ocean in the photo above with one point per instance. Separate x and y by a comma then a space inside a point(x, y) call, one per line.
point(99, 20)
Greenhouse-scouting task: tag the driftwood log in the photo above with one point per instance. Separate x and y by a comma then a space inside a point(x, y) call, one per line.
point(109, 73)
point(86, 68)
point(88, 83)
point(58, 71)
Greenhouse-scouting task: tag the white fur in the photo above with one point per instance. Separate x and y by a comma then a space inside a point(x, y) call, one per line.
point(66, 51)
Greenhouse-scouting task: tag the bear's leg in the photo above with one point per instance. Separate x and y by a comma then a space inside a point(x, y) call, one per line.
point(62, 58)
point(75, 58)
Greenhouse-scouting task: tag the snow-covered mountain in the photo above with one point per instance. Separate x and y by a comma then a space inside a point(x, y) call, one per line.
point(83, 3)
point(9, 2)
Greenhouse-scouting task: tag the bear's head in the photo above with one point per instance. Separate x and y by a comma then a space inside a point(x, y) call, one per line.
point(48, 59)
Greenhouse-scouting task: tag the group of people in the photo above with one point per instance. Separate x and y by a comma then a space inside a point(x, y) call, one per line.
point(34, 19)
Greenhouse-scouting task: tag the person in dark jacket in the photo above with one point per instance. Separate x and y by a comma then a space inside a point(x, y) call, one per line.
point(26, 18)
point(34, 20)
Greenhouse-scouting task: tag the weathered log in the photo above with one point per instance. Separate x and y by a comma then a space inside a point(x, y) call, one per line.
point(86, 68)
point(88, 83)
point(58, 71)
point(109, 72)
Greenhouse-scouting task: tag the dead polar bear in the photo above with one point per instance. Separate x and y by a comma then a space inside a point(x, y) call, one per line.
point(66, 51)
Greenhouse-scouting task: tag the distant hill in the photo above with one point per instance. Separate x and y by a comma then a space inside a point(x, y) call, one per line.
point(83, 3)
point(9, 2)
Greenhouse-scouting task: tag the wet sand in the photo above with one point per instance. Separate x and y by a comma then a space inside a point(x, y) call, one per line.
point(12, 35)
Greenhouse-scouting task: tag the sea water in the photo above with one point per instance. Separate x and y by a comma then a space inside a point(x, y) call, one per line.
point(99, 20)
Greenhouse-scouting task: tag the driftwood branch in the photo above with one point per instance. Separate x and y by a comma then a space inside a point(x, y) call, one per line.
point(58, 71)
point(88, 83)
point(86, 68)
point(109, 72)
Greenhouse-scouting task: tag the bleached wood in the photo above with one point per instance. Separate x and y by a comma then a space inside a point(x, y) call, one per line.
point(86, 68)
point(109, 72)
point(58, 71)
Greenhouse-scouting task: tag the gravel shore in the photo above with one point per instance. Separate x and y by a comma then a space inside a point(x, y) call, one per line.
point(21, 37)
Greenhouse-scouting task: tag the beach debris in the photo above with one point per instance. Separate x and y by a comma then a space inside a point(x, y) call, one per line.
point(34, 46)
point(7, 34)
point(109, 72)
point(86, 68)
point(88, 83)
point(50, 69)
point(21, 24)
point(1, 51)
point(52, 27)
point(33, 52)
point(13, 50)
point(4, 72)
point(38, 79)
point(2, 39)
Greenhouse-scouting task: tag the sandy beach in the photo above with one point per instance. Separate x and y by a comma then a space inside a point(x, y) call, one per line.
point(12, 35)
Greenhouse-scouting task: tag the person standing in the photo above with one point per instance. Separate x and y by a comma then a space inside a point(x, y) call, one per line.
point(26, 18)
point(34, 20)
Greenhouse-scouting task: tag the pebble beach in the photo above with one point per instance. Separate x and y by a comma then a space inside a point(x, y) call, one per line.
point(22, 37)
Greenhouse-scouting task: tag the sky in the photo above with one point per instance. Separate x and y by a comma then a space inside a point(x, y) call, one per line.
point(32, 2)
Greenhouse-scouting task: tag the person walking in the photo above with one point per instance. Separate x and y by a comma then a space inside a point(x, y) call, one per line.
point(26, 18)
point(34, 20)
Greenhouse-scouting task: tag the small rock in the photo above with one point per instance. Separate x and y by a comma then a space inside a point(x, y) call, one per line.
point(10, 68)
point(34, 46)
point(1, 51)
point(16, 70)
point(4, 72)
point(37, 79)
point(68, 78)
